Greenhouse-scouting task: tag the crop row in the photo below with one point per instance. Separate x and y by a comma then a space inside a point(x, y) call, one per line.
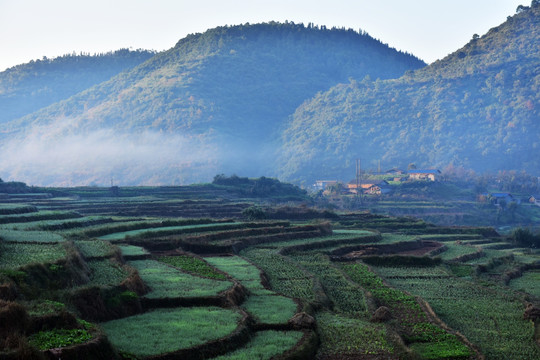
point(65, 224)
point(16, 255)
point(95, 248)
point(6, 209)
point(168, 282)
point(193, 265)
point(528, 282)
point(347, 297)
point(36, 237)
point(284, 275)
point(128, 224)
point(352, 337)
point(266, 306)
point(106, 272)
point(264, 345)
point(37, 216)
point(157, 331)
point(420, 334)
point(489, 316)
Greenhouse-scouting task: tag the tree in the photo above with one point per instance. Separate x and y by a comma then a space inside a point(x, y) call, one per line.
point(254, 213)
point(411, 166)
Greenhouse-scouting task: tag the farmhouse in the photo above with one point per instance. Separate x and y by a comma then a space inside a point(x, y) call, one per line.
point(534, 199)
point(374, 187)
point(429, 174)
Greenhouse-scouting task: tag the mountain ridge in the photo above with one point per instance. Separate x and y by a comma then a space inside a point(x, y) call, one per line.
point(479, 111)
point(229, 90)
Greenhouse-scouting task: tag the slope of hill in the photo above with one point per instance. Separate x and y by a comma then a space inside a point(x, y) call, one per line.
point(227, 91)
point(28, 87)
point(477, 108)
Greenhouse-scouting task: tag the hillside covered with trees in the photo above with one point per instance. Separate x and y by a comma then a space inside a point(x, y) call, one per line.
point(227, 91)
point(29, 87)
point(476, 108)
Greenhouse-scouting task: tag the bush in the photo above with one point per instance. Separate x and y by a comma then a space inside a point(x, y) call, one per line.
point(254, 213)
point(525, 237)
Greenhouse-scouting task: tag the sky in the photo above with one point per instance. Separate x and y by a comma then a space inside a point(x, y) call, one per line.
point(429, 29)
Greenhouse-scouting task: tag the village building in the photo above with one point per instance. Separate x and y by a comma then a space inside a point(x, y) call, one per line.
point(534, 199)
point(429, 174)
point(373, 187)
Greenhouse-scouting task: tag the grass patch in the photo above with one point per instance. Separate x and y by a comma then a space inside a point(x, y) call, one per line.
point(37, 237)
point(61, 337)
point(270, 309)
point(284, 275)
point(347, 296)
point(95, 248)
point(265, 345)
point(16, 255)
point(193, 265)
point(240, 269)
point(490, 316)
point(106, 272)
point(341, 336)
point(166, 330)
point(168, 282)
point(132, 250)
point(168, 230)
point(528, 282)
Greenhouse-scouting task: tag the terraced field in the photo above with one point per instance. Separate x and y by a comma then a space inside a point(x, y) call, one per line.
point(84, 265)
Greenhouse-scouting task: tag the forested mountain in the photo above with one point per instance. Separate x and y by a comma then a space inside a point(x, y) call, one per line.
point(214, 103)
point(478, 107)
point(29, 87)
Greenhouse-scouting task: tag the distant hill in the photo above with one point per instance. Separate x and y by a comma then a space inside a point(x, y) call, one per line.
point(214, 103)
point(478, 108)
point(29, 87)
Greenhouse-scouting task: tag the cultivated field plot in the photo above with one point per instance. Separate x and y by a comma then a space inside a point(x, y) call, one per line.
point(528, 282)
point(169, 285)
point(35, 237)
point(167, 230)
point(16, 255)
point(266, 306)
point(264, 345)
point(166, 281)
point(157, 331)
point(489, 316)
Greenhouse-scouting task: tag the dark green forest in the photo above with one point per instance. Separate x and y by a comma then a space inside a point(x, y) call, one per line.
point(477, 108)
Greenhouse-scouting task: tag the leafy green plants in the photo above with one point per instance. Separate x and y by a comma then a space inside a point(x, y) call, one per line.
point(61, 337)
point(168, 282)
point(193, 265)
point(166, 330)
point(265, 345)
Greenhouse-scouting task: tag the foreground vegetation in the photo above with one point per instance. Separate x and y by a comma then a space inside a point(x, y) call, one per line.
point(323, 286)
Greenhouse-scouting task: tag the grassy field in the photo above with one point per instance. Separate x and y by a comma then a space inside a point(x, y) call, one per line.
point(265, 345)
point(157, 331)
point(266, 306)
point(528, 282)
point(486, 314)
point(287, 265)
point(168, 282)
point(166, 230)
point(132, 250)
point(16, 255)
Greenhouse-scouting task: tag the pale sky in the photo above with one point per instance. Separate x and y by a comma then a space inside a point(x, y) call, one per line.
point(429, 29)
